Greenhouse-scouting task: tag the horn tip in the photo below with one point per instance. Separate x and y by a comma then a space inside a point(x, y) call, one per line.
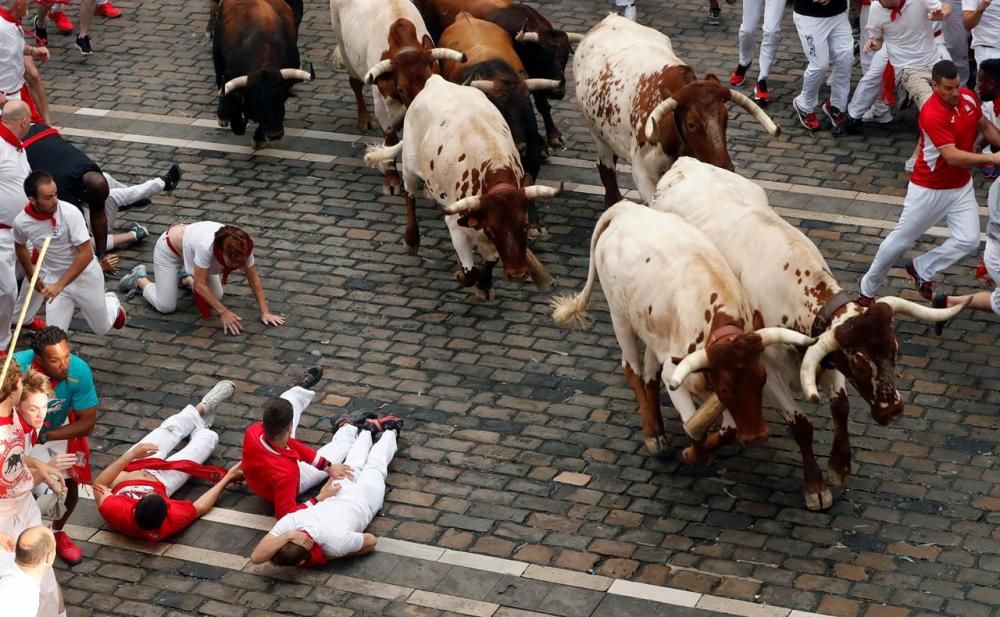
point(673, 385)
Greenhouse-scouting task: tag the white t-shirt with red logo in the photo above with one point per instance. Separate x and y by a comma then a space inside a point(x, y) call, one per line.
point(15, 477)
point(68, 231)
point(942, 125)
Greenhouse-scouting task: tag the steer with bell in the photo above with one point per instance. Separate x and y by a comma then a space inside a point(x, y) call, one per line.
point(256, 56)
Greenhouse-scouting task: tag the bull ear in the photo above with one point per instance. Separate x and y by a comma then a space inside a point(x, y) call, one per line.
point(712, 77)
point(427, 42)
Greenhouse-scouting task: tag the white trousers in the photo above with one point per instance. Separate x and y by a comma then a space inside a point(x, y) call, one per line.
point(772, 10)
point(162, 291)
point(15, 517)
point(171, 432)
point(99, 309)
point(985, 53)
point(371, 465)
point(8, 286)
point(922, 209)
point(825, 40)
point(991, 257)
point(956, 40)
point(123, 195)
point(335, 451)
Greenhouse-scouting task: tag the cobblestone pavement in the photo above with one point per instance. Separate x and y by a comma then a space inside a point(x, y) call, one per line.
point(500, 403)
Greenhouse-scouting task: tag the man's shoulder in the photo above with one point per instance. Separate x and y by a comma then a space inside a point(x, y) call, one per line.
point(24, 358)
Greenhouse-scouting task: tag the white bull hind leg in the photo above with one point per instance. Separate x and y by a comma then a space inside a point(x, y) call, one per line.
point(839, 466)
point(814, 488)
point(652, 422)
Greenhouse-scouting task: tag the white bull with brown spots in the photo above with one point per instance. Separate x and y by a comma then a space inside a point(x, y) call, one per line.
point(668, 287)
point(643, 104)
point(458, 150)
point(789, 284)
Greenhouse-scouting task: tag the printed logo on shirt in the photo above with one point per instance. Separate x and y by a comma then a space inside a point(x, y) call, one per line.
point(12, 466)
point(135, 492)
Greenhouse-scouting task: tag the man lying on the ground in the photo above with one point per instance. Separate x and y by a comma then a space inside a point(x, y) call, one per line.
point(335, 526)
point(133, 493)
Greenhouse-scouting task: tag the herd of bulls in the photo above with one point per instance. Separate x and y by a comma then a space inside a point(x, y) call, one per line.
point(730, 302)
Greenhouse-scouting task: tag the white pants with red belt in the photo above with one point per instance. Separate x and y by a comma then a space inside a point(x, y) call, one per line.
point(16, 515)
point(185, 424)
point(162, 291)
point(922, 209)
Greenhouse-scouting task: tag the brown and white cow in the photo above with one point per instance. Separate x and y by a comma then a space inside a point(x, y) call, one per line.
point(789, 284)
point(667, 286)
point(543, 49)
point(645, 105)
point(458, 150)
point(385, 44)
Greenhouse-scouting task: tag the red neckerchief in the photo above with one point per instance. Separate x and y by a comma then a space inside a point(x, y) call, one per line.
point(11, 138)
point(894, 13)
point(40, 216)
point(8, 17)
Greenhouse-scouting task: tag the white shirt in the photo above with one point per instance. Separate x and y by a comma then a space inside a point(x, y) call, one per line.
point(908, 39)
point(987, 33)
point(68, 231)
point(20, 593)
point(993, 225)
point(14, 169)
point(198, 239)
point(335, 523)
point(11, 57)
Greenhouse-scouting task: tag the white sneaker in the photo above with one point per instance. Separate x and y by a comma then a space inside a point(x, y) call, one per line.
point(910, 164)
point(219, 392)
point(879, 112)
point(629, 12)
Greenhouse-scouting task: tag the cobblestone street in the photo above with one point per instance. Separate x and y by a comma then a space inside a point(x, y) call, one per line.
point(522, 440)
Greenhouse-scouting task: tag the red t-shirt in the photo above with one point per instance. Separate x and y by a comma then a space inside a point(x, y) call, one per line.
point(942, 125)
point(271, 474)
point(118, 510)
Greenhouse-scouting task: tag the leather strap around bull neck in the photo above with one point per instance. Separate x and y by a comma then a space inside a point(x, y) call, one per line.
point(722, 332)
point(502, 186)
point(836, 302)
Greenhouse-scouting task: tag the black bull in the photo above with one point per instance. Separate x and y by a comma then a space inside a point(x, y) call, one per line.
point(256, 55)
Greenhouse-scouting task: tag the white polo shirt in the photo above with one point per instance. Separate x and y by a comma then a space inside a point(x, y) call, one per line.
point(198, 239)
point(336, 524)
point(14, 169)
point(20, 593)
point(987, 33)
point(909, 38)
point(11, 57)
point(68, 231)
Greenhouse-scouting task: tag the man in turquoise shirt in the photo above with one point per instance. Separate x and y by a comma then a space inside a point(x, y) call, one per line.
point(71, 417)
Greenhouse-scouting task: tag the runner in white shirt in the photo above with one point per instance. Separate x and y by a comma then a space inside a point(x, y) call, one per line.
point(21, 582)
point(14, 169)
point(196, 254)
point(906, 29)
point(335, 526)
point(70, 276)
point(12, 53)
point(982, 19)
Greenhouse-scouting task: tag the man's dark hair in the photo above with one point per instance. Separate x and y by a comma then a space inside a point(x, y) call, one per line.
point(290, 554)
point(277, 417)
point(150, 512)
point(34, 180)
point(34, 546)
point(945, 69)
point(991, 68)
point(49, 335)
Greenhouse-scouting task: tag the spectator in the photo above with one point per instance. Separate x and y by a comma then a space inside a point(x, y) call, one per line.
point(12, 54)
point(14, 169)
point(21, 585)
point(772, 10)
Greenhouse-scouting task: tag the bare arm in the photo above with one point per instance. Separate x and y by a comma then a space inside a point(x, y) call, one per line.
point(266, 316)
point(85, 421)
point(970, 19)
point(268, 546)
point(367, 547)
point(45, 473)
point(107, 477)
point(989, 132)
point(24, 258)
point(84, 253)
point(960, 158)
point(207, 501)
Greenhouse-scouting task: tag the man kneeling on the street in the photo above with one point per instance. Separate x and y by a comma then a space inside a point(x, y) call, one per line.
point(335, 526)
point(133, 493)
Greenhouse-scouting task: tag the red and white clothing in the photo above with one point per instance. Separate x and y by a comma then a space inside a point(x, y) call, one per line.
point(12, 82)
point(337, 524)
point(826, 37)
point(197, 252)
point(991, 256)
point(14, 169)
point(985, 36)
point(117, 508)
point(68, 230)
point(772, 10)
point(936, 191)
point(280, 476)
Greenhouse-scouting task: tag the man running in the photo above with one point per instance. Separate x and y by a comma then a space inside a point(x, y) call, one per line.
point(773, 10)
point(825, 33)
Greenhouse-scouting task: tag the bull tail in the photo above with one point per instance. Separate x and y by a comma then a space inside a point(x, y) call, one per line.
point(571, 311)
point(381, 157)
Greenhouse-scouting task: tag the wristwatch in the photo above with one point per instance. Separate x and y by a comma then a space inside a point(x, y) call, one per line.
point(43, 437)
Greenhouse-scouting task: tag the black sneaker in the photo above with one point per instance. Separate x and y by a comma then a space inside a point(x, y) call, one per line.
point(849, 126)
point(940, 301)
point(390, 423)
point(838, 119)
point(359, 419)
point(171, 178)
point(924, 288)
point(83, 44)
point(714, 17)
point(309, 378)
point(41, 33)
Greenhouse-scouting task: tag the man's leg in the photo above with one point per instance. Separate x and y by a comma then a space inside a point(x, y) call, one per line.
point(8, 287)
point(371, 482)
point(752, 10)
point(774, 10)
point(36, 301)
point(37, 89)
point(867, 91)
point(963, 223)
point(335, 452)
point(173, 431)
point(922, 208)
point(199, 448)
point(865, 56)
point(814, 35)
point(58, 312)
point(917, 82)
point(162, 294)
point(102, 311)
point(86, 16)
point(956, 39)
point(841, 43)
point(122, 195)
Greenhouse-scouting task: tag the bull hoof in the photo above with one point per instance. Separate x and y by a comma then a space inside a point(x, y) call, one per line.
point(390, 186)
point(538, 232)
point(657, 446)
point(366, 123)
point(556, 140)
point(486, 295)
point(820, 499)
point(223, 123)
point(411, 249)
point(696, 456)
point(838, 478)
point(257, 145)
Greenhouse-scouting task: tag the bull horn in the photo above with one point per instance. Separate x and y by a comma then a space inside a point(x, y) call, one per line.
point(656, 116)
point(693, 362)
point(541, 84)
point(921, 312)
point(538, 191)
point(574, 37)
point(469, 204)
point(485, 85)
point(826, 345)
point(298, 74)
point(235, 84)
point(785, 336)
point(444, 53)
point(755, 111)
point(526, 37)
point(377, 71)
